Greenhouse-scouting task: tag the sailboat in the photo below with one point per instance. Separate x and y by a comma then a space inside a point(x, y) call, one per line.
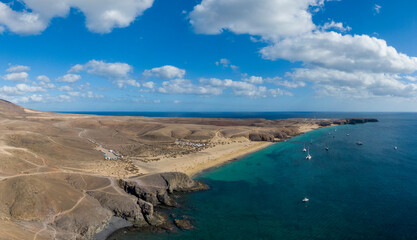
point(308, 154)
point(304, 149)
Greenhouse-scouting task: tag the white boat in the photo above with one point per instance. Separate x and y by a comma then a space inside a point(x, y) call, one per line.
point(395, 147)
point(359, 143)
point(347, 134)
point(305, 199)
point(308, 154)
point(327, 148)
point(304, 149)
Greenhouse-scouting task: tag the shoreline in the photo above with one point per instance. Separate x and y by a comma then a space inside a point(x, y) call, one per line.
point(228, 158)
point(113, 228)
point(244, 152)
point(194, 163)
point(193, 173)
point(225, 159)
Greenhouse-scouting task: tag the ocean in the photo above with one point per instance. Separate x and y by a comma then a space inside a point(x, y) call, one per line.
point(355, 191)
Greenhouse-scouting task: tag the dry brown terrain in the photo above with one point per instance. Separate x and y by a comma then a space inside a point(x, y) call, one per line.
point(56, 184)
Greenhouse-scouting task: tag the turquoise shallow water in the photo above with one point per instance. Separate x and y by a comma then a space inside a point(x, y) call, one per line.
point(355, 192)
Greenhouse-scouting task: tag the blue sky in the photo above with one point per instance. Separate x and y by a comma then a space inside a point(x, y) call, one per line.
point(209, 55)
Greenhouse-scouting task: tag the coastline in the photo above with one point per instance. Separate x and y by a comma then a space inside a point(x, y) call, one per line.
point(223, 151)
point(227, 158)
point(193, 163)
point(117, 225)
point(206, 166)
point(193, 173)
point(239, 153)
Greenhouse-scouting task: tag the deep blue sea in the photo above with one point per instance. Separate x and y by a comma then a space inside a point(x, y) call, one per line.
point(355, 192)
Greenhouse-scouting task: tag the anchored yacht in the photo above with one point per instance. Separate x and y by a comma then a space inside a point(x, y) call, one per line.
point(308, 154)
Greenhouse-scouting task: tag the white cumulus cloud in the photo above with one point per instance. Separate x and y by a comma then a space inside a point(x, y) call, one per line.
point(21, 22)
point(342, 52)
point(43, 78)
point(69, 78)
point(334, 82)
point(336, 26)
point(128, 82)
point(31, 98)
point(240, 88)
point(149, 85)
point(17, 77)
point(65, 88)
point(18, 68)
point(254, 80)
point(114, 70)
point(20, 89)
point(271, 19)
point(183, 86)
point(225, 63)
point(101, 16)
point(165, 72)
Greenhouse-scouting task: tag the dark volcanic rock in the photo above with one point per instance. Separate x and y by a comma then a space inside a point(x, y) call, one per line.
point(325, 123)
point(180, 182)
point(261, 137)
point(147, 208)
point(280, 135)
point(166, 200)
point(155, 188)
point(123, 206)
point(157, 219)
point(360, 120)
point(183, 224)
point(148, 192)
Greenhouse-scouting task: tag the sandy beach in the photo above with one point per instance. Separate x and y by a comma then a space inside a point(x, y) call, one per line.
point(222, 151)
point(194, 163)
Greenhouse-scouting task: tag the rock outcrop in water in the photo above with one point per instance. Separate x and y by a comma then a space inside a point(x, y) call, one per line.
point(183, 224)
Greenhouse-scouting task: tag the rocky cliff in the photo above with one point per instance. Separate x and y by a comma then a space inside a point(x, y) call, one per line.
point(156, 189)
